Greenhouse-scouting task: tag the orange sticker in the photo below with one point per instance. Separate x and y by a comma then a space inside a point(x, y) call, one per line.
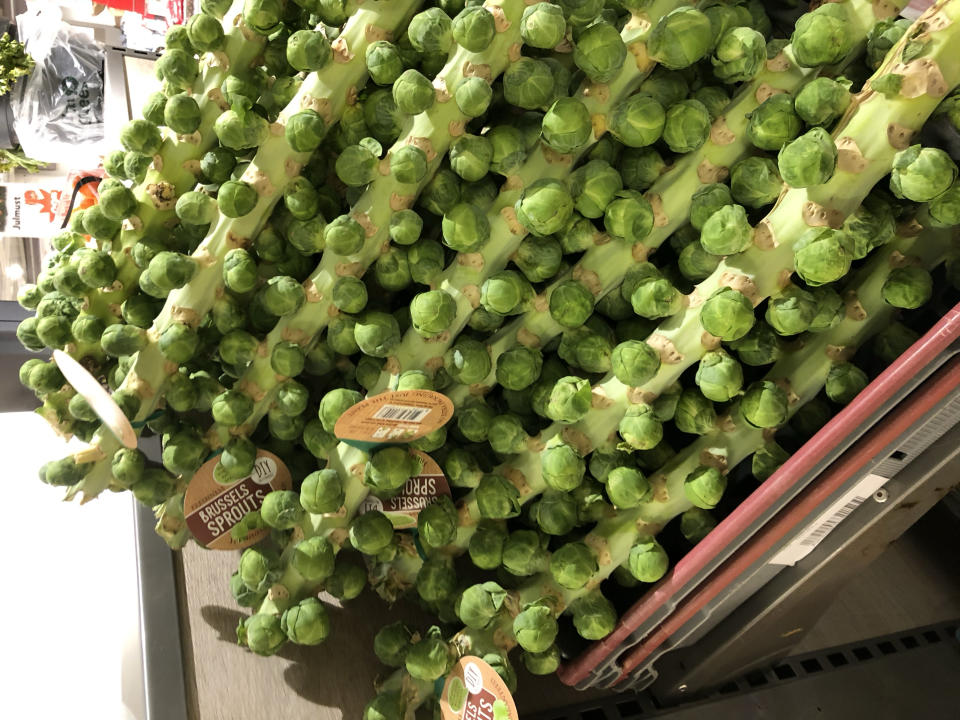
point(97, 397)
point(212, 508)
point(395, 416)
point(474, 691)
point(418, 492)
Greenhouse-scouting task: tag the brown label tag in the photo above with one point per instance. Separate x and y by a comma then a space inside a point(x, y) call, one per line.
point(212, 509)
point(419, 492)
point(396, 416)
point(474, 691)
point(97, 397)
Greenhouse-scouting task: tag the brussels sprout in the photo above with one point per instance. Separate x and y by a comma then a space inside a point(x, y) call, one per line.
point(340, 335)
point(473, 420)
point(562, 466)
point(823, 100)
point(518, 367)
point(680, 38)
point(305, 130)
point(497, 498)
point(313, 558)
point(539, 258)
point(634, 362)
point(431, 32)
point(506, 434)
point(465, 228)
point(529, 84)
point(719, 376)
point(695, 263)
point(907, 287)
point(468, 361)
point(739, 55)
point(922, 174)
point(473, 96)
point(821, 256)
point(570, 400)
point(347, 581)
point(593, 187)
point(306, 623)
point(240, 127)
point(594, 616)
point(764, 404)
point(262, 633)
point(760, 346)
point(506, 293)
point(704, 487)
point(509, 150)
point(640, 167)
point(844, 382)
point(389, 468)
point(882, 37)
point(141, 136)
point(694, 413)
point(755, 182)
point(322, 492)
point(118, 340)
point(809, 160)
point(715, 99)
point(391, 644)
point(97, 224)
point(181, 114)
point(430, 658)
point(627, 487)
point(214, 8)
point(486, 544)
point(236, 198)
point(117, 203)
point(656, 297)
point(822, 37)
point(282, 295)
point(727, 314)
point(543, 25)
point(774, 123)
point(571, 303)
point(349, 294)
point(377, 334)
point(572, 565)
point(436, 580)
point(474, 28)
point(385, 706)
point(687, 126)
point(238, 456)
point(408, 164)
point(567, 126)
point(371, 532)
point(547, 662)
point(357, 164)
point(767, 460)
point(707, 200)
point(791, 312)
point(629, 217)
point(599, 52)
point(535, 628)
point(727, 231)
point(830, 309)
point(259, 568)
point(647, 561)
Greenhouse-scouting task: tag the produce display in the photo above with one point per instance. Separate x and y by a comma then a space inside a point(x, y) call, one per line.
point(636, 252)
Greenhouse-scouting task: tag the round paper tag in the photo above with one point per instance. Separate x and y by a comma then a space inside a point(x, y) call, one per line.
point(212, 509)
point(97, 397)
point(474, 691)
point(397, 416)
point(418, 492)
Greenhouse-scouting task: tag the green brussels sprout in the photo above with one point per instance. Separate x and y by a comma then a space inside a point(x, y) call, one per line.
point(425, 259)
point(822, 37)
point(392, 269)
point(809, 160)
point(694, 413)
point(882, 37)
point(695, 263)
point(844, 382)
point(301, 199)
point(594, 617)
point(727, 231)
point(408, 164)
point(437, 522)
point(468, 361)
point(170, 270)
point(714, 98)
point(182, 113)
point(474, 28)
point(599, 52)
point(656, 297)
point(306, 623)
point(822, 101)
point(263, 16)
point(922, 174)
point(431, 32)
point(764, 404)
point(719, 376)
point(240, 128)
point(462, 468)
point(98, 225)
point(54, 331)
point(535, 628)
point(727, 314)
point(707, 200)
point(95, 268)
point(573, 565)
point(519, 367)
point(830, 309)
point(214, 8)
point(232, 408)
point(944, 210)
point(538, 258)
point(239, 271)
point(413, 93)
point(906, 287)
point(347, 581)
point(343, 235)
point(371, 532)
point(117, 203)
point(767, 460)
point(647, 561)
point(480, 604)
point(545, 206)
point(405, 227)
point(377, 334)
point(792, 311)
point(567, 126)
point(473, 420)
point(349, 294)
point(153, 113)
point(305, 130)
point(314, 559)
point(562, 466)
point(391, 644)
point(629, 217)
point(127, 465)
point(236, 199)
point(322, 492)
point(580, 13)
point(760, 346)
point(287, 359)
point(739, 55)
point(113, 164)
point(470, 157)
point(436, 580)
point(704, 487)
point(281, 509)
point(340, 335)
point(570, 400)
point(89, 328)
point(755, 182)
point(593, 187)
point(316, 440)
point(680, 38)
point(774, 123)
point(571, 303)
point(237, 458)
point(486, 544)
point(497, 498)
point(627, 487)
point(687, 126)
point(282, 295)
point(640, 167)
point(141, 136)
point(431, 658)
point(509, 150)
point(385, 706)
point(196, 208)
point(217, 165)
point(118, 340)
point(262, 633)
point(389, 468)
point(259, 568)
point(543, 25)
point(634, 362)
point(357, 164)
point(821, 256)
point(473, 96)
point(465, 228)
point(529, 83)
point(555, 513)
point(870, 226)
point(547, 662)
point(506, 434)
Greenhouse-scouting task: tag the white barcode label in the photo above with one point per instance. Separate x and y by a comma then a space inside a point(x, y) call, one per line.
point(825, 523)
point(404, 413)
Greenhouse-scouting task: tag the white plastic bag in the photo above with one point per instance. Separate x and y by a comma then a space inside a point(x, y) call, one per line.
point(58, 109)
